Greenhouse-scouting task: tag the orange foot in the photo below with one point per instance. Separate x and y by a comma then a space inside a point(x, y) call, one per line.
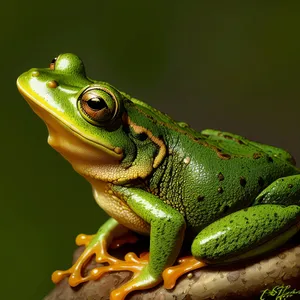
point(137, 265)
point(99, 249)
point(186, 264)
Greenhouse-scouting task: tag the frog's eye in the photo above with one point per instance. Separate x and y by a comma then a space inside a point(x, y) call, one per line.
point(98, 106)
point(52, 64)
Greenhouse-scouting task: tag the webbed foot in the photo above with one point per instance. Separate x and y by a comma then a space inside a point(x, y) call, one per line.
point(96, 245)
point(97, 248)
point(133, 263)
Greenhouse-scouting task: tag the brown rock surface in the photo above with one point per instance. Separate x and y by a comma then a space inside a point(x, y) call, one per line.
point(242, 281)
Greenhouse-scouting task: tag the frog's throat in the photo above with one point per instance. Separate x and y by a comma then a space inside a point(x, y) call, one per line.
point(51, 118)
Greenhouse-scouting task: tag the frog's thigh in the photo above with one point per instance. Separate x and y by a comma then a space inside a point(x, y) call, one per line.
point(285, 191)
point(247, 233)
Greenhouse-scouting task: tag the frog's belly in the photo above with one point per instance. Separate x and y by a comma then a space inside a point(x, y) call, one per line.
point(119, 210)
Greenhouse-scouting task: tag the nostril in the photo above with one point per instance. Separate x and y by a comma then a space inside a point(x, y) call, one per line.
point(35, 73)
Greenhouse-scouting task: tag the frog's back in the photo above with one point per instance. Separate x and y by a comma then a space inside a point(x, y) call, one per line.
point(212, 174)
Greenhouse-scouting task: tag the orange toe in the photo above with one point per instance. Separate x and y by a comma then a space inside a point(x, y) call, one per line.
point(131, 263)
point(186, 264)
point(76, 271)
point(83, 239)
point(130, 286)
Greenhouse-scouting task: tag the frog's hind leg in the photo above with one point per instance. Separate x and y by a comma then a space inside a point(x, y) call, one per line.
point(241, 235)
point(273, 218)
point(247, 233)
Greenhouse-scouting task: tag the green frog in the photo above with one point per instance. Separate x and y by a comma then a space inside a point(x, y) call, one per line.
point(231, 198)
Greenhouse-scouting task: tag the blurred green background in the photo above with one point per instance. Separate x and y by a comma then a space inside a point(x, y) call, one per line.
point(230, 67)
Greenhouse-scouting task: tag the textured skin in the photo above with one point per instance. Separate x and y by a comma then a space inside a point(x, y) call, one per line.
point(282, 191)
point(243, 231)
point(144, 161)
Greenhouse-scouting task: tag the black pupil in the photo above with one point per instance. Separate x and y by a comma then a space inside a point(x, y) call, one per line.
point(96, 103)
point(53, 60)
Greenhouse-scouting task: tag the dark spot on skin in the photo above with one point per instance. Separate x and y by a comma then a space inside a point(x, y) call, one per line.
point(290, 186)
point(225, 209)
point(246, 218)
point(243, 181)
point(221, 176)
point(223, 155)
point(231, 221)
point(253, 215)
point(257, 155)
point(270, 159)
point(220, 190)
point(245, 209)
point(142, 136)
point(219, 152)
point(261, 182)
point(228, 137)
point(275, 215)
point(200, 198)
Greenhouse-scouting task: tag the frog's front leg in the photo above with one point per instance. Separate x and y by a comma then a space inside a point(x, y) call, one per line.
point(166, 236)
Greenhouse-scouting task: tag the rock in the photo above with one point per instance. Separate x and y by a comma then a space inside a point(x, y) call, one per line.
point(242, 281)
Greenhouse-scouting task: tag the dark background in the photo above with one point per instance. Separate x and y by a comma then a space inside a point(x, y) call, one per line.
point(222, 66)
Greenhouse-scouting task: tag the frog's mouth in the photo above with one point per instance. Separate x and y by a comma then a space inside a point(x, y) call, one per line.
point(80, 150)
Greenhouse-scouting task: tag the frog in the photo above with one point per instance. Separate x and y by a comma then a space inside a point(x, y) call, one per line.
point(228, 198)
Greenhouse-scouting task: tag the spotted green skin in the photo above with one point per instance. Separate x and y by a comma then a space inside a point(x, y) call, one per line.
point(201, 186)
point(250, 226)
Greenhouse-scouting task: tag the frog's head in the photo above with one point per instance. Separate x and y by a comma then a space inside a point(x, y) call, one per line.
point(84, 117)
